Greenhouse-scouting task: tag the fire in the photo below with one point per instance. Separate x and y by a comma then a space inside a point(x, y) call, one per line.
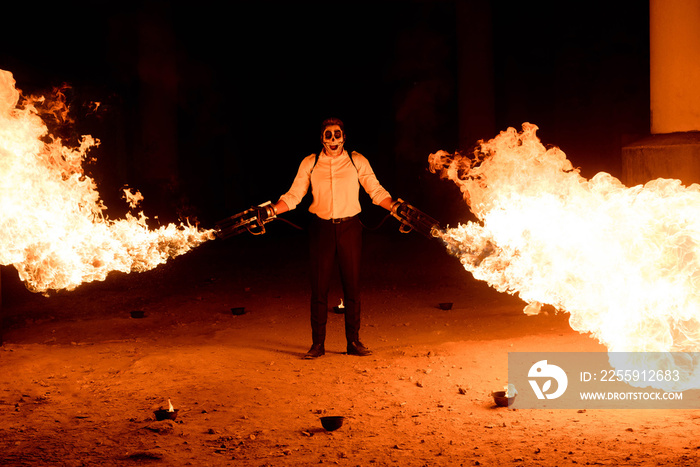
point(624, 262)
point(53, 229)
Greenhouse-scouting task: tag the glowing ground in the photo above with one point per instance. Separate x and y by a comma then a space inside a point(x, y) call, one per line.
point(80, 378)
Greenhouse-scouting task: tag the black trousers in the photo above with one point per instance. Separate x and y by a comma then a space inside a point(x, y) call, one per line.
point(334, 244)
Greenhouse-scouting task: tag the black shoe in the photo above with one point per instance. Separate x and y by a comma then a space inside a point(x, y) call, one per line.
point(315, 351)
point(357, 348)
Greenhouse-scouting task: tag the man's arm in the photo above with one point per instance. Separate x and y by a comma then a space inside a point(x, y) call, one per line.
point(300, 186)
point(386, 203)
point(280, 207)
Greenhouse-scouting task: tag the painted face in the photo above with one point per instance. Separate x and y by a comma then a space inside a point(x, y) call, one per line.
point(333, 140)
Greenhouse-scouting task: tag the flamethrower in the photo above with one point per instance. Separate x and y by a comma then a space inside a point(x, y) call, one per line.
point(252, 220)
point(412, 218)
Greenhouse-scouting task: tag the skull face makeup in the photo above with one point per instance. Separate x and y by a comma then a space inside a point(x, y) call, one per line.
point(333, 140)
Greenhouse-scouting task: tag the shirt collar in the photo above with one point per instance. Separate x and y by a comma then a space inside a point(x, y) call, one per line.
point(324, 155)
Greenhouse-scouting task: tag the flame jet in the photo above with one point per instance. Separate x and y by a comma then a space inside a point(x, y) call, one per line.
point(623, 262)
point(53, 229)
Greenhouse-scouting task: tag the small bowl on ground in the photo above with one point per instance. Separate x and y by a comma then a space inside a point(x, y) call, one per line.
point(163, 414)
point(445, 306)
point(499, 397)
point(137, 314)
point(238, 311)
point(332, 423)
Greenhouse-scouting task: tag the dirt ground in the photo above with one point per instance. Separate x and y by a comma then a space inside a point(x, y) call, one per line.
point(80, 378)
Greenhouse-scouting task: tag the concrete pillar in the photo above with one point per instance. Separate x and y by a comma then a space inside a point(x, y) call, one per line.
point(673, 148)
point(674, 65)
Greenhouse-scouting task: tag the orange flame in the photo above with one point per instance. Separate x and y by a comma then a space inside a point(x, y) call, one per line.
point(53, 229)
point(623, 262)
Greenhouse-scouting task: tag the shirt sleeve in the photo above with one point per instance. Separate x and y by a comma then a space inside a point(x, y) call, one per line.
point(301, 182)
point(368, 179)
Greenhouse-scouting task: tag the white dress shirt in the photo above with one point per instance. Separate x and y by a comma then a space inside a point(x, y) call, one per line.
point(335, 185)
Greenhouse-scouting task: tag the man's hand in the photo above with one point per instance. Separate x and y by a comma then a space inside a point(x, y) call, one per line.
point(396, 205)
point(265, 212)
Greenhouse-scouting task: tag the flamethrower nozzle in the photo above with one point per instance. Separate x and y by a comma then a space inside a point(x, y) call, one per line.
point(473, 253)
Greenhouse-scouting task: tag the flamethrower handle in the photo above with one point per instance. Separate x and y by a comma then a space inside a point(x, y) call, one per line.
point(405, 228)
point(256, 227)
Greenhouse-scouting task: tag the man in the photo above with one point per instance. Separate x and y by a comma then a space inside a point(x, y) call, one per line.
point(335, 177)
